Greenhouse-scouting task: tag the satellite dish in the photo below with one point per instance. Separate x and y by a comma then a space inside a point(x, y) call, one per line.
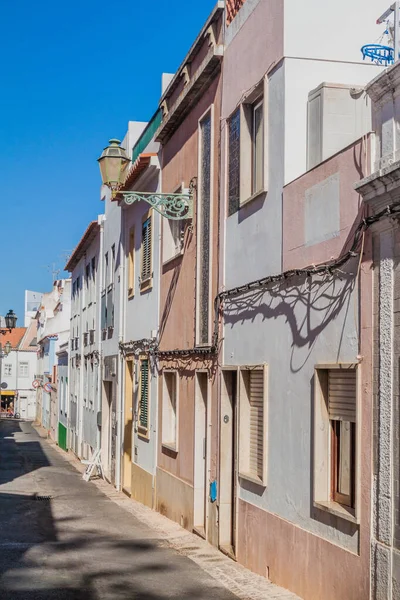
point(4, 385)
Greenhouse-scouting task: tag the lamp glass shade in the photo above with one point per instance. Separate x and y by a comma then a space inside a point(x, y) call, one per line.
point(7, 348)
point(113, 165)
point(11, 319)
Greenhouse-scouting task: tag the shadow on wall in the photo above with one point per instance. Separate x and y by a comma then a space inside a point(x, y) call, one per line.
point(177, 266)
point(308, 305)
point(79, 545)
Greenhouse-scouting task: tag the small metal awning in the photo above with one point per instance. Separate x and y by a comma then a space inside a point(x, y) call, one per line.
point(8, 392)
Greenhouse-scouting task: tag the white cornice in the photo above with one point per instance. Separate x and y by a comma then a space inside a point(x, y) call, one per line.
point(382, 187)
point(385, 83)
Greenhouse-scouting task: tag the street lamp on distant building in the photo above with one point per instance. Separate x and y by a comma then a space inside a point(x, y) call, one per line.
point(11, 321)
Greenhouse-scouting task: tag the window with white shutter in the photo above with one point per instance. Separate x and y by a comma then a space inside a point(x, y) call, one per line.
point(146, 268)
point(253, 424)
point(144, 397)
point(335, 439)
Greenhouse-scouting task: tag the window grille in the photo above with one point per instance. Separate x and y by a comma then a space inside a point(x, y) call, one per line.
point(234, 162)
point(203, 231)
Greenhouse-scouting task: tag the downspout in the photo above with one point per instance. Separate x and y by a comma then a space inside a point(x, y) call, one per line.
point(156, 428)
point(99, 280)
point(68, 398)
point(121, 374)
point(82, 363)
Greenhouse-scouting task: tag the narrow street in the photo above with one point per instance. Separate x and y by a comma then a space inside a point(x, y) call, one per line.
point(80, 544)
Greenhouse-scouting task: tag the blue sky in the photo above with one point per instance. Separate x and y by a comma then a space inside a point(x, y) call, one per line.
point(72, 75)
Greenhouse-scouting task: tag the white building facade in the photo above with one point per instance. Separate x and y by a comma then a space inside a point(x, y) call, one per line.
point(84, 347)
point(53, 320)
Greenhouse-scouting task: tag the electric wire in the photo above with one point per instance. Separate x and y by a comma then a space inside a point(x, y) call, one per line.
point(326, 268)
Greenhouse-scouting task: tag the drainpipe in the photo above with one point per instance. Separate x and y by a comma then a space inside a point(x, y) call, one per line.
point(121, 377)
point(99, 280)
point(81, 367)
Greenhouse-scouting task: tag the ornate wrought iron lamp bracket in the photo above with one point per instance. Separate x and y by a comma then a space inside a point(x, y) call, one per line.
point(170, 206)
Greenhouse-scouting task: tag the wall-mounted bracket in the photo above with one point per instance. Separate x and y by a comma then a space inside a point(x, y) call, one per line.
point(170, 206)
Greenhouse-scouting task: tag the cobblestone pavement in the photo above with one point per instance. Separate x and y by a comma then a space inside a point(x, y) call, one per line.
point(237, 579)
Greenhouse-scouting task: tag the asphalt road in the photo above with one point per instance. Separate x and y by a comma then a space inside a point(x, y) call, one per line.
point(78, 545)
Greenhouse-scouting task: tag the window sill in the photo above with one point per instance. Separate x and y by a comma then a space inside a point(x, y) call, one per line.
point(169, 447)
point(252, 478)
point(146, 285)
point(334, 508)
point(172, 258)
point(252, 197)
point(143, 433)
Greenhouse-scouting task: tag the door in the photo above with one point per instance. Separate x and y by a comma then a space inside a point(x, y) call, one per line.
point(128, 423)
point(200, 454)
point(228, 463)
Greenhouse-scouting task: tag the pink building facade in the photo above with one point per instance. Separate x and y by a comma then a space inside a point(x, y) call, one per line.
point(187, 360)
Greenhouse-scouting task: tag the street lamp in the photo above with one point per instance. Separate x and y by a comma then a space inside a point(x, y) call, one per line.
point(11, 321)
point(113, 164)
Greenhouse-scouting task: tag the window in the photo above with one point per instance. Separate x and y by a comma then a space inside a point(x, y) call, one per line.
point(342, 416)
point(131, 263)
point(204, 233)
point(173, 234)
point(110, 308)
point(258, 147)
point(144, 397)
point(112, 270)
point(106, 275)
point(103, 311)
point(234, 162)
point(24, 369)
point(65, 395)
point(88, 288)
point(253, 424)
point(247, 147)
point(335, 441)
point(7, 370)
point(146, 270)
point(169, 410)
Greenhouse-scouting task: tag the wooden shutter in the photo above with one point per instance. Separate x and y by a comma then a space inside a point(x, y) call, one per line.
point(146, 249)
point(131, 262)
point(110, 308)
point(342, 394)
point(144, 394)
point(257, 422)
point(103, 312)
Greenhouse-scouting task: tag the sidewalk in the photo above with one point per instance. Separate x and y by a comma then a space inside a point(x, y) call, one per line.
point(239, 580)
